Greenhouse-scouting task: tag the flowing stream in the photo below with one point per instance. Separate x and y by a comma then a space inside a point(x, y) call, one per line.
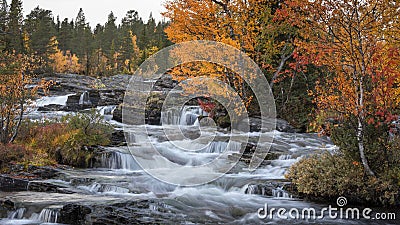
point(234, 198)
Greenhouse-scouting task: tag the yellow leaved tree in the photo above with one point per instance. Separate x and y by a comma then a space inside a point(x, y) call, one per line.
point(16, 90)
point(60, 63)
point(229, 22)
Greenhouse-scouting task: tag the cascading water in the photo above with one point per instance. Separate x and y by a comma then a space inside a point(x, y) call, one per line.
point(49, 215)
point(280, 193)
point(17, 214)
point(107, 188)
point(187, 116)
point(106, 111)
point(85, 99)
point(233, 198)
point(52, 100)
point(119, 160)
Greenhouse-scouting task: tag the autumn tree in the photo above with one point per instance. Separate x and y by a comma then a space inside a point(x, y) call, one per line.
point(15, 76)
point(60, 62)
point(229, 22)
point(353, 40)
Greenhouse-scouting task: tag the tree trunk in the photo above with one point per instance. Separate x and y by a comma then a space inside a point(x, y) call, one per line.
point(360, 137)
point(284, 58)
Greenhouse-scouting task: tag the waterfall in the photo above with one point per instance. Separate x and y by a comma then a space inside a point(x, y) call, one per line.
point(280, 193)
point(52, 100)
point(106, 111)
point(267, 190)
point(170, 117)
point(118, 160)
point(190, 114)
point(285, 157)
point(47, 215)
point(17, 214)
point(84, 99)
point(220, 146)
point(252, 189)
point(187, 116)
point(96, 187)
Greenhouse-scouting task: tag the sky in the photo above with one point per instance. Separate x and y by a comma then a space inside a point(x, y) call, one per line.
point(96, 11)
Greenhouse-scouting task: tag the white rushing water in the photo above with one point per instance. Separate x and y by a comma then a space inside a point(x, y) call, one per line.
point(84, 99)
point(188, 115)
point(52, 100)
point(17, 214)
point(233, 198)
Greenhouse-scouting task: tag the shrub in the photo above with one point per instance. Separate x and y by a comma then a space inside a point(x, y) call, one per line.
point(382, 152)
point(93, 129)
point(331, 176)
point(66, 142)
point(13, 153)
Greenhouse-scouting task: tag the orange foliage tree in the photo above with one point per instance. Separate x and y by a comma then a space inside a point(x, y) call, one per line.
point(229, 22)
point(60, 63)
point(356, 42)
point(15, 92)
point(250, 26)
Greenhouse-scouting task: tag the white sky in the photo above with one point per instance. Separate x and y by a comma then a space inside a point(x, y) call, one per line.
point(96, 11)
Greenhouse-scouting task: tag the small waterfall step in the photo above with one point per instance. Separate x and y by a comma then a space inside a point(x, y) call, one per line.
point(119, 160)
point(48, 215)
point(186, 116)
point(276, 190)
point(16, 214)
point(85, 99)
point(105, 188)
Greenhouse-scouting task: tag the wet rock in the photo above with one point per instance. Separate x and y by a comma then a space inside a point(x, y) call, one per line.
point(43, 172)
point(254, 125)
point(118, 138)
point(284, 126)
point(110, 97)
point(272, 189)
point(117, 82)
point(90, 99)
point(165, 82)
point(52, 108)
point(74, 214)
point(81, 181)
point(39, 186)
point(117, 114)
point(6, 206)
point(10, 184)
point(73, 99)
point(135, 212)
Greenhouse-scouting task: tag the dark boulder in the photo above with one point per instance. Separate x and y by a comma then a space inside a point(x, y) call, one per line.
point(118, 138)
point(43, 172)
point(284, 126)
point(10, 184)
point(39, 186)
point(254, 125)
point(74, 214)
point(117, 114)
